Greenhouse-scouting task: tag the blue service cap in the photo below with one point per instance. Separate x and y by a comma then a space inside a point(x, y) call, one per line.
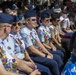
point(6, 18)
point(45, 14)
point(16, 19)
point(29, 14)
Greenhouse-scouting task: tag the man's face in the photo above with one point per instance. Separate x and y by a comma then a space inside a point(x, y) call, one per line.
point(16, 27)
point(6, 27)
point(32, 21)
point(46, 21)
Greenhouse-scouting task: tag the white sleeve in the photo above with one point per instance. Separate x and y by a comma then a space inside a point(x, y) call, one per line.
point(41, 35)
point(27, 39)
point(64, 25)
point(0, 62)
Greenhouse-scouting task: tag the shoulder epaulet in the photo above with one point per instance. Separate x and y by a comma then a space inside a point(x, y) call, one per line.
point(11, 35)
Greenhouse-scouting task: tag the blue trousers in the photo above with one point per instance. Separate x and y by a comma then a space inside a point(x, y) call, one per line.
point(58, 59)
point(58, 52)
point(44, 70)
point(50, 63)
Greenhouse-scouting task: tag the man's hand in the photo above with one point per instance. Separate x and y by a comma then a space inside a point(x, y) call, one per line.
point(54, 48)
point(33, 64)
point(59, 44)
point(50, 56)
point(35, 72)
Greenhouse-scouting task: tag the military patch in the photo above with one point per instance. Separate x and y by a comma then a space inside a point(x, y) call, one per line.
point(8, 47)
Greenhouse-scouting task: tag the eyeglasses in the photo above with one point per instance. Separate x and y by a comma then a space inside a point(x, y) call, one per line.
point(15, 24)
point(47, 20)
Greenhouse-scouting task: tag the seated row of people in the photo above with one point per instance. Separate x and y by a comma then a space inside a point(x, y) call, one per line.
point(30, 51)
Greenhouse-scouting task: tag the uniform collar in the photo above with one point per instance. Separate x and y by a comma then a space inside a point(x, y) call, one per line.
point(12, 33)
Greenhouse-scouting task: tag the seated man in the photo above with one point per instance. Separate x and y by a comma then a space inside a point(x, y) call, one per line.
point(65, 25)
point(20, 50)
point(36, 50)
point(45, 35)
point(9, 63)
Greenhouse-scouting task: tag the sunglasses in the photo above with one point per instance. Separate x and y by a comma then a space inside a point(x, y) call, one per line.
point(32, 19)
point(47, 20)
point(15, 24)
point(57, 20)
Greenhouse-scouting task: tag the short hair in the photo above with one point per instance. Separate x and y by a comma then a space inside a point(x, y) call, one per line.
point(55, 16)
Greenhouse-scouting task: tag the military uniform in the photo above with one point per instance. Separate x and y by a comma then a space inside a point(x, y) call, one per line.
point(45, 36)
point(7, 45)
point(30, 38)
point(64, 42)
point(66, 38)
point(66, 23)
point(6, 56)
point(55, 33)
point(19, 45)
point(19, 52)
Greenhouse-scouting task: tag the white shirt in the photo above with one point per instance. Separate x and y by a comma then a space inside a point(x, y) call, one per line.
point(26, 35)
point(66, 23)
point(19, 45)
point(43, 33)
